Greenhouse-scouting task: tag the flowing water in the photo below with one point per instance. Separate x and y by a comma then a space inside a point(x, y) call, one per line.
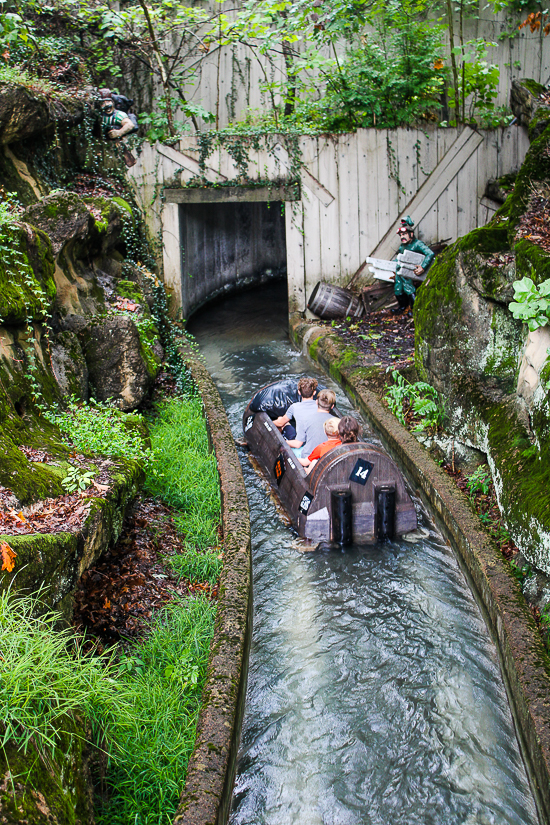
point(374, 692)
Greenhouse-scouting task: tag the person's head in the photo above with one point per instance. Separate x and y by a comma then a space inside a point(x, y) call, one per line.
point(348, 429)
point(326, 400)
point(331, 427)
point(107, 107)
point(307, 387)
point(406, 230)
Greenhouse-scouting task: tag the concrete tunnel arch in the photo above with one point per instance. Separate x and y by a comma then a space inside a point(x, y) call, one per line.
point(225, 239)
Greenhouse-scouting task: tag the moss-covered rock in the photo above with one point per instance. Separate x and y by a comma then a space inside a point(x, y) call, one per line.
point(27, 288)
point(26, 111)
point(117, 367)
point(63, 216)
point(535, 169)
point(40, 788)
point(495, 382)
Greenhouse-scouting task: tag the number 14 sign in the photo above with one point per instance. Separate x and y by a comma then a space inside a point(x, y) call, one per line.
point(361, 472)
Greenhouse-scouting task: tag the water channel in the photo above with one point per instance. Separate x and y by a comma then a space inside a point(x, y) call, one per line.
point(374, 692)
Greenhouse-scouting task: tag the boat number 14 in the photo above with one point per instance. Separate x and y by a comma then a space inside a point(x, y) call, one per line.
point(361, 471)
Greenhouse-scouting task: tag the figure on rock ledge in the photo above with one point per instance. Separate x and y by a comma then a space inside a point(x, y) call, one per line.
point(117, 123)
point(404, 287)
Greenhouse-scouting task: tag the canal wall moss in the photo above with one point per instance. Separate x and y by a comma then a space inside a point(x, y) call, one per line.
point(208, 790)
point(524, 660)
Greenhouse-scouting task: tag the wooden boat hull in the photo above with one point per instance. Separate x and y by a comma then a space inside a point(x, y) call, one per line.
point(362, 468)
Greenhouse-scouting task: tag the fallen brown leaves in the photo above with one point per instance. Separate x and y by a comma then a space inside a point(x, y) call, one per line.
point(32, 454)
point(64, 514)
point(116, 598)
point(534, 224)
point(387, 339)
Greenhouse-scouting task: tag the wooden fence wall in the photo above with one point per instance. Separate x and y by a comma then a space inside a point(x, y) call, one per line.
point(230, 80)
point(354, 189)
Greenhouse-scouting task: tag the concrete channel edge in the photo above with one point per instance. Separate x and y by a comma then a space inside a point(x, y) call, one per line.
point(524, 661)
point(206, 798)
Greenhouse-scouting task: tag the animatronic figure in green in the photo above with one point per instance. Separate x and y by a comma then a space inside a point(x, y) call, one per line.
point(404, 288)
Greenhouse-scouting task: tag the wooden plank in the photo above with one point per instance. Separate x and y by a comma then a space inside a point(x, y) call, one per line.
point(310, 219)
point(446, 212)
point(328, 214)
point(366, 200)
point(387, 187)
point(406, 156)
point(467, 196)
point(428, 226)
point(189, 163)
point(295, 261)
point(348, 199)
point(233, 194)
point(430, 191)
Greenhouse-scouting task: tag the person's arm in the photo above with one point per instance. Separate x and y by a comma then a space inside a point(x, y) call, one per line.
point(281, 422)
point(125, 127)
point(312, 457)
point(429, 256)
point(295, 443)
point(311, 466)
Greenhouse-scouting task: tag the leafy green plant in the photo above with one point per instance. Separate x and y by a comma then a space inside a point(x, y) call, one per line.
point(101, 430)
point(522, 572)
point(531, 303)
point(479, 481)
point(77, 479)
point(158, 124)
point(422, 398)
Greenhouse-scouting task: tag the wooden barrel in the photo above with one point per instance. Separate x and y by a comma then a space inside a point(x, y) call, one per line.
point(328, 302)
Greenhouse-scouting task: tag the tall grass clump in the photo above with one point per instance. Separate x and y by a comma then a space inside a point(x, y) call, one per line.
point(152, 728)
point(44, 675)
point(183, 471)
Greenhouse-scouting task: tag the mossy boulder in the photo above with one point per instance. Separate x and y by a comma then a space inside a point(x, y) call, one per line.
point(494, 376)
point(43, 786)
point(534, 170)
point(527, 107)
point(27, 287)
point(462, 322)
point(117, 367)
point(26, 111)
point(69, 365)
point(63, 216)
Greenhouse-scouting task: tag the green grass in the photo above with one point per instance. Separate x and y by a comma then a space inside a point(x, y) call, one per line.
point(152, 728)
point(44, 675)
point(152, 724)
point(197, 565)
point(183, 471)
point(145, 708)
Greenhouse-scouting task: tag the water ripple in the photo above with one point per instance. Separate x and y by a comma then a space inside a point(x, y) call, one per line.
point(374, 694)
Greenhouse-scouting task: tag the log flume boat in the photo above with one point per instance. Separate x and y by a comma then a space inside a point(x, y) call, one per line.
point(355, 492)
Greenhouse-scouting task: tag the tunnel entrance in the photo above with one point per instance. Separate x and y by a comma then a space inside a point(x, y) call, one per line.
point(229, 246)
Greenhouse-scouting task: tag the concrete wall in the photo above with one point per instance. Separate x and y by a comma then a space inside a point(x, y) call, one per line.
point(353, 190)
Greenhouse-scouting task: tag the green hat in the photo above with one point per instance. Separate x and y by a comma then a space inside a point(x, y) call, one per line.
point(408, 221)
